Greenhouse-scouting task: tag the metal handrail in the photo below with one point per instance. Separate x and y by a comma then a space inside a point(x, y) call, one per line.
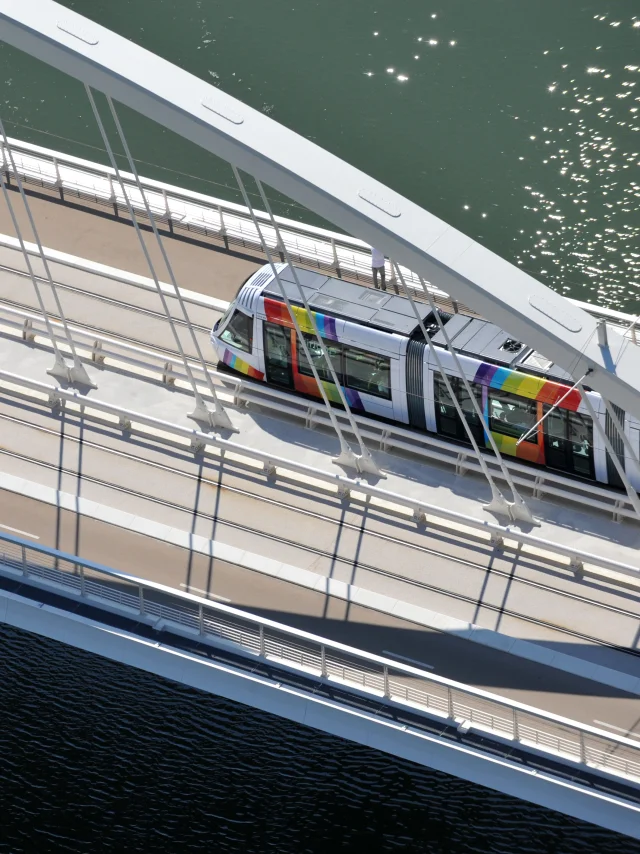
point(272, 465)
point(389, 681)
point(103, 348)
point(229, 221)
point(195, 212)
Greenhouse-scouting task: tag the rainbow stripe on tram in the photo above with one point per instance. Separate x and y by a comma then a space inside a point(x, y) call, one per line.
point(533, 388)
point(238, 364)
point(353, 398)
point(277, 312)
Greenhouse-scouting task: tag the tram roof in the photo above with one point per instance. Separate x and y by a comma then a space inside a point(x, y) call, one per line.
point(391, 313)
point(335, 297)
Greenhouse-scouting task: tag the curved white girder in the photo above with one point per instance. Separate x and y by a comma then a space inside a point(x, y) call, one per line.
point(327, 185)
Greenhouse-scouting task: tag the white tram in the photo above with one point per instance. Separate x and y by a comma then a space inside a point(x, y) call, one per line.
point(382, 360)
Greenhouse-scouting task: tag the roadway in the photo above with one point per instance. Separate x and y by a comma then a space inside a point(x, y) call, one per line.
point(93, 231)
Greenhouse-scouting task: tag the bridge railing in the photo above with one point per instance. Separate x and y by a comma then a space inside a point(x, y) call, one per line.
point(167, 368)
point(273, 467)
point(213, 218)
point(202, 216)
point(390, 682)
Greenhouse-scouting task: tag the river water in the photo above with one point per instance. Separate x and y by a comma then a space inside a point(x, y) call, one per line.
point(99, 757)
point(518, 123)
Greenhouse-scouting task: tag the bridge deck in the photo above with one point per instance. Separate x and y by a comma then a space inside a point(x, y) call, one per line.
point(218, 274)
point(457, 577)
point(378, 632)
point(90, 231)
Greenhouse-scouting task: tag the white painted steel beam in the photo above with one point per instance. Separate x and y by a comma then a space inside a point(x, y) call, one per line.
point(327, 185)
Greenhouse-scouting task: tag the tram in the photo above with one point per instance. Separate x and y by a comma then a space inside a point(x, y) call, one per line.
point(385, 368)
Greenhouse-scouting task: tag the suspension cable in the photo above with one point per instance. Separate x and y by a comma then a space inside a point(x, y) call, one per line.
point(347, 457)
point(201, 412)
point(220, 417)
point(498, 503)
point(519, 509)
point(551, 409)
point(365, 461)
point(60, 368)
point(61, 371)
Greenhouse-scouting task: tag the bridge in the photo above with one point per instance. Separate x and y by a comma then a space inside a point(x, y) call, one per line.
point(443, 602)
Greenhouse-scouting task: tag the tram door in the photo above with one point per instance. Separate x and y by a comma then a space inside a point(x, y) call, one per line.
point(277, 354)
point(568, 442)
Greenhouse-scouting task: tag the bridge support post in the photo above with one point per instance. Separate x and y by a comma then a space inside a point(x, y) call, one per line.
point(336, 262)
point(28, 333)
point(577, 567)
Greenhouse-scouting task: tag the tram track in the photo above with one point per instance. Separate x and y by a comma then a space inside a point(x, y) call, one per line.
point(323, 553)
point(162, 351)
point(156, 315)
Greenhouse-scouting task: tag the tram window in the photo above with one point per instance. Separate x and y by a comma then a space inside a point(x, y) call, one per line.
point(555, 425)
point(277, 346)
point(335, 354)
point(239, 332)
point(467, 406)
point(368, 372)
point(448, 421)
point(445, 409)
point(580, 437)
point(511, 415)
point(219, 324)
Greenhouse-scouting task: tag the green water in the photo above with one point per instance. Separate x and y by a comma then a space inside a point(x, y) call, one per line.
point(518, 122)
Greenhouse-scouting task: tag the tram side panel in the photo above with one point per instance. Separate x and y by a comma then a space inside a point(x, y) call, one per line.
point(366, 361)
point(394, 377)
point(512, 403)
point(632, 467)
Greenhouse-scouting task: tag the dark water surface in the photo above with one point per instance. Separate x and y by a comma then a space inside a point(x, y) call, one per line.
point(517, 122)
point(99, 757)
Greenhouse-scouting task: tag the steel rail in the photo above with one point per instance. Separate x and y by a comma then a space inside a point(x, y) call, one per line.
point(360, 565)
point(317, 247)
point(125, 306)
point(39, 157)
point(392, 437)
point(270, 463)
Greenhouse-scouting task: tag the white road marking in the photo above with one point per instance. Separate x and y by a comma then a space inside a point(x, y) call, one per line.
point(619, 729)
point(410, 660)
point(18, 531)
point(205, 593)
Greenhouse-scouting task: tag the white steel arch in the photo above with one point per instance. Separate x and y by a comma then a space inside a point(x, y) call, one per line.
point(332, 188)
